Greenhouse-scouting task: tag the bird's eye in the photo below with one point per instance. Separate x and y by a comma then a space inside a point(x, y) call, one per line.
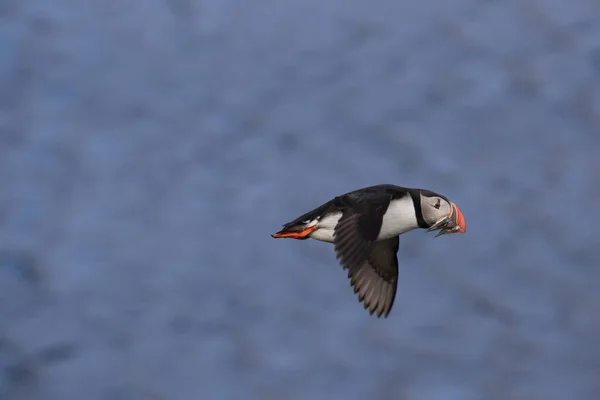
point(437, 204)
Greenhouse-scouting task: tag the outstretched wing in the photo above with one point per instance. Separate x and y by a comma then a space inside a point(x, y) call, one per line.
point(375, 280)
point(358, 228)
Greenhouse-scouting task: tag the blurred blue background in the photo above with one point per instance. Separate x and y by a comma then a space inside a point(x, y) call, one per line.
point(149, 148)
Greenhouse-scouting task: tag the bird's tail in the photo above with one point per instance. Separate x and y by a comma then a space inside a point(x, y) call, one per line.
point(300, 231)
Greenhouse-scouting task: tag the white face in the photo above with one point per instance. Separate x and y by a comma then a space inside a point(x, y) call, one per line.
point(434, 208)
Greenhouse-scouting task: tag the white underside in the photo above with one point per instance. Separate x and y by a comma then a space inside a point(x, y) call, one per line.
point(326, 227)
point(399, 218)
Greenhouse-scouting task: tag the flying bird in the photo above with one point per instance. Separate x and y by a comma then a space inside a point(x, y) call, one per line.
point(365, 227)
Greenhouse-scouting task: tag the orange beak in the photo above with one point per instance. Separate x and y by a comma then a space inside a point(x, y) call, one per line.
point(459, 219)
point(454, 222)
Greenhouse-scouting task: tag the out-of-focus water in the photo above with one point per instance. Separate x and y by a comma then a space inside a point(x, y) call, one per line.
point(148, 149)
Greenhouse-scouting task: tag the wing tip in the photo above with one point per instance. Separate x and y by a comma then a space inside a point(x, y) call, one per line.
point(378, 302)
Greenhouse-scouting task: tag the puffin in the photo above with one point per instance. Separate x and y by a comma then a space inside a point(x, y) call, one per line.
point(364, 227)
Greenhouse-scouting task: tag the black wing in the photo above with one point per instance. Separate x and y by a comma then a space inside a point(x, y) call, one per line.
point(376, 279)
point(377, 194)
point(358, 228)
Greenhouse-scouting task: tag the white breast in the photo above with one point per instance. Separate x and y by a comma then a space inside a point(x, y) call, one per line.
point(399, 218)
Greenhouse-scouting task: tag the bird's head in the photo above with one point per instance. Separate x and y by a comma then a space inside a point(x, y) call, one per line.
point(441, 214)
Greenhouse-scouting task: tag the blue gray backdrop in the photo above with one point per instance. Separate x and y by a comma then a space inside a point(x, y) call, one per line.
point(148, 149)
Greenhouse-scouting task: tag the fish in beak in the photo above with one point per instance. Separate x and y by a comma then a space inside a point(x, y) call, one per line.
point(454, 222)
